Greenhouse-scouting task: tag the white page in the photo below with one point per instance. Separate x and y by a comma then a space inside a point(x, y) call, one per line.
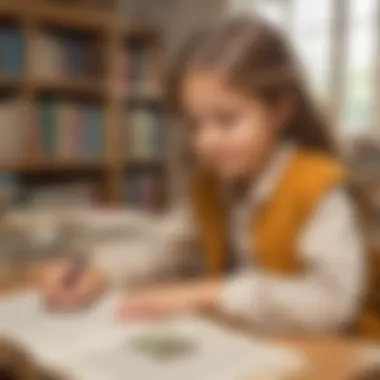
point(55, 336)
point(93, 346)
point(370, 355)
point(220, 355)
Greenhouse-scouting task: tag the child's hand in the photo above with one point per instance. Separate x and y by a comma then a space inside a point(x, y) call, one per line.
point(157, 302)
point(59, 295)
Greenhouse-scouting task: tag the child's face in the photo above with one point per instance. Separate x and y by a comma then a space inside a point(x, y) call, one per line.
point(230, 133)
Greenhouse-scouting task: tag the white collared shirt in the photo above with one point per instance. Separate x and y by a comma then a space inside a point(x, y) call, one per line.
point(324, 299)
point(328, 296)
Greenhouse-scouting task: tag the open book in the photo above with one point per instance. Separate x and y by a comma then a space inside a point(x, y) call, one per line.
point(92, 345)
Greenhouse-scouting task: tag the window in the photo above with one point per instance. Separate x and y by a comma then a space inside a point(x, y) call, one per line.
point(359, 84)
point(312, 39)
point(276, 11)
point(347, 80)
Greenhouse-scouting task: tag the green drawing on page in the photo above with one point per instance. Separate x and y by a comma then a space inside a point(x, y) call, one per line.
point(162, 345)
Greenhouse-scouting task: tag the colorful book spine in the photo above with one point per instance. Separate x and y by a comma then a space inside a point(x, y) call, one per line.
point(48, 57)
point(9, 188)
point(70, 131)
point(148, 191)
point(93, 132)
point(65, 120)
point(146, 134)
point(12, 52)
point(58, 56)
point(75, 51)
point(138, 57)
point(80, 126)
point(12, 130)
point(141, 190)
point(132, 190)
point(49, 129)
point(156, 138)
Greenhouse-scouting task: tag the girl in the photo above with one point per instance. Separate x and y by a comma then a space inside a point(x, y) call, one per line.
point(279, 242)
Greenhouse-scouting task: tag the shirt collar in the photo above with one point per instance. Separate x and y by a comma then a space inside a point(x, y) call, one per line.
point(265, 184)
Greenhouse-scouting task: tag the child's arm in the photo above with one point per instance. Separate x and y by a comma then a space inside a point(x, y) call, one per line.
point(154, 248)
point(327, 296)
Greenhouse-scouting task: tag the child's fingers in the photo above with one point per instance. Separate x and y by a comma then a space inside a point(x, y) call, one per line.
point(146, 309)
point(52, 280)
point(89, 287)
point(63, 298)
point(139, 309)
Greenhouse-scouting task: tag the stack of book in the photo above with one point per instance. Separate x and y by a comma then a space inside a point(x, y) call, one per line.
point(69, 131)
point(12, 52)
point(60, 56)
point(142, 190)
point(13, 131)
point(144, 134)
point(78, 194)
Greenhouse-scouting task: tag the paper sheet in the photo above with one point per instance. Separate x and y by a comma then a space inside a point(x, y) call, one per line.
point(370, 356)
point(91, 345)
point(55, 336)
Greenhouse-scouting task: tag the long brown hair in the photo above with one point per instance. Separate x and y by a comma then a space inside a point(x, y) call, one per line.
point(255, 57)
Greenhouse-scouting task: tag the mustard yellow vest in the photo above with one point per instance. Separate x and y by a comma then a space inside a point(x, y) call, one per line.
point(277, 223)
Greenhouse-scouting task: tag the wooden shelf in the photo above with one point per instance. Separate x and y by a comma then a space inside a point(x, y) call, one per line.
point(144, 93)
point(7, 82)
point(12, 166)
point(64, 165)
point(145, 162)
point(110, 35)
point(82, 18)
point(79, 86)
point(74, 18)
point(54, 165)
point(137, 31)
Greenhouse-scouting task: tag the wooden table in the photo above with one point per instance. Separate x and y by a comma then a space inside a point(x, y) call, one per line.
point(328, 358)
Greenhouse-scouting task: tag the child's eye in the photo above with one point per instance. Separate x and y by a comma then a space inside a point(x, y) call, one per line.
point(192, 125)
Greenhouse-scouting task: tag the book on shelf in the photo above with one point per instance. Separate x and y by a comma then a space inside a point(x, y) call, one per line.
point(12, 52)
point(47, 57)
point(142, 189)
point(119, 72)
point(144, 134)
point(70, 131)
point(58, 56)
point(138, 70)
point(9, 187)
point(13, 131)
point(130, 71)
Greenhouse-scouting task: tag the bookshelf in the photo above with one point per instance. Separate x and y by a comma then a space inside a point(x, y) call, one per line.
point(81, 91)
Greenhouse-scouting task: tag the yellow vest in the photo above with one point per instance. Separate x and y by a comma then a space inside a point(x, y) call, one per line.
point(278, 221)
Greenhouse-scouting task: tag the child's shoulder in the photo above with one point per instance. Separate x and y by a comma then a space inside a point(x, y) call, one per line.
point(317, 159)
point(313, 165)
point(311, 174)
